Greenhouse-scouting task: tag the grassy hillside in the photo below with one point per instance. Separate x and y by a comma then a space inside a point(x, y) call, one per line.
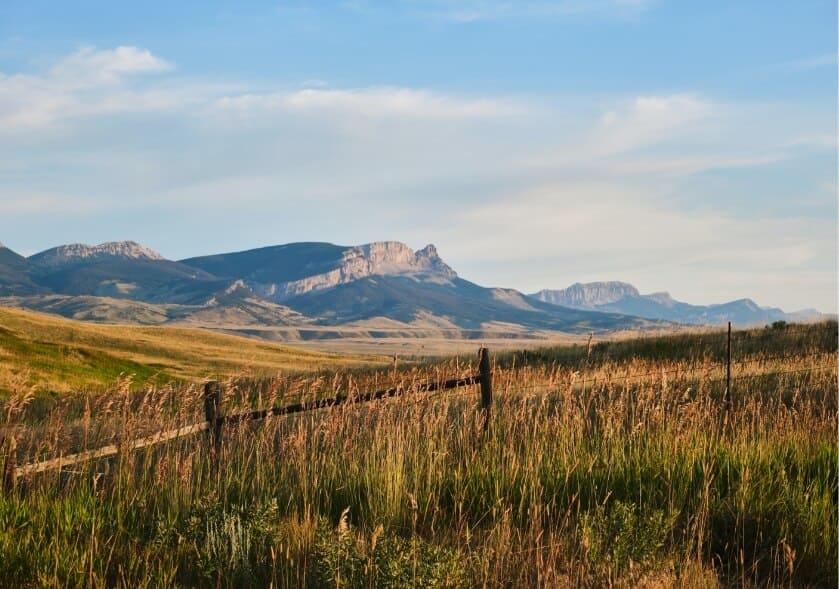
point(55, 354)
point(619, 468)
point(778, 340)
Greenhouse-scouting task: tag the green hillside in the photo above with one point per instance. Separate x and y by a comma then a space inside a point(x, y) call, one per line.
point(48, 353)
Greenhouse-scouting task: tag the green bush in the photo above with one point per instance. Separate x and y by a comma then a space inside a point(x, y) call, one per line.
point(347, 558)
point(621, 535)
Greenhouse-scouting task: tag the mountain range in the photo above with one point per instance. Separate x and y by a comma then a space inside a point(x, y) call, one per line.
point(312, 289)
point(620, 297)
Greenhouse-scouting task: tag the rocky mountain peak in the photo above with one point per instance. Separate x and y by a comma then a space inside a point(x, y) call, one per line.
point(429, 251)
point(80, 252)
point(392, 257)
point(379, 258)
point(588, 295)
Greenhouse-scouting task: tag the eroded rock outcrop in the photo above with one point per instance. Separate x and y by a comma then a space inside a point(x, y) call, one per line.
point(377, 258)
point(79, 252)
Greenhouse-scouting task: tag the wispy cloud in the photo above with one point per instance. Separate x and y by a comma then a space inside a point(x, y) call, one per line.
point(91, 66)
point(632, 136)
point(86, 82)
point(466, 11)
point(648, 120)
point(552, 235)
point(474, 10)
point(809, 63)
point(373, 102)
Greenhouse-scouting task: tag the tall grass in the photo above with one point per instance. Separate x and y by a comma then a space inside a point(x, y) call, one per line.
point(611, 472)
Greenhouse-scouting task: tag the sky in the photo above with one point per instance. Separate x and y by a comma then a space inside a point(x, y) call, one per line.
point(681, 146)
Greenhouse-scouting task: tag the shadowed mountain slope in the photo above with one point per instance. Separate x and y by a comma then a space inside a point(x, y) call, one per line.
point(460, 302)
point(16, 274)
point(282, 272)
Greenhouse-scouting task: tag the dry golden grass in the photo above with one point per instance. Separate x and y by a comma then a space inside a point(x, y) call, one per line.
point(56, 354)
point(603, 470)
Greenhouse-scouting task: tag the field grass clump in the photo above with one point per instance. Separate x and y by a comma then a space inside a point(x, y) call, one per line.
point(624, 472)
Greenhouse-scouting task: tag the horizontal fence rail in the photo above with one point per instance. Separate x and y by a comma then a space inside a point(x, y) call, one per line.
point(112, 450)
point(215, 421)
point(426, 387)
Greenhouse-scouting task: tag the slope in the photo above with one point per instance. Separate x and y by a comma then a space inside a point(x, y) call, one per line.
point(273, 264)
point(50, 353)
point(15, 274)
point(461, 302)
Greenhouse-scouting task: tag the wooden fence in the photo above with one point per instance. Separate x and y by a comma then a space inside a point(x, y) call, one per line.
point(215, 420)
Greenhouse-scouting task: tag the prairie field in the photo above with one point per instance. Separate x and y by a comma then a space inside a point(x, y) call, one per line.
point(52, 355)
point(610, 464)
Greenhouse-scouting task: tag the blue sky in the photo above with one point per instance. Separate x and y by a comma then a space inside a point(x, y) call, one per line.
point(676, 145)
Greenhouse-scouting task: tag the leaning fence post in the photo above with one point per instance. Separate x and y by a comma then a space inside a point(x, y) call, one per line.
point(212, 398)
point(10, 466)
point(485, 377)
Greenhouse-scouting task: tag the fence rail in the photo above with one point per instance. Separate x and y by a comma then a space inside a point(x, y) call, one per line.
point(215, 421)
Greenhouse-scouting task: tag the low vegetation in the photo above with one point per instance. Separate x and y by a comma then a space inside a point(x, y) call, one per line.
point(611, 465)
point(48, 354)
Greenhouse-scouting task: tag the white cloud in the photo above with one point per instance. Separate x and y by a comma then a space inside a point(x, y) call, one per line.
point(553, 235)
point(680, 166)
point(371, 102)
point(649, 120)
point(91, 66)
point(601, 217)
point(86, 82)
point(97, 82)
point(466, 11)
point(666, 137)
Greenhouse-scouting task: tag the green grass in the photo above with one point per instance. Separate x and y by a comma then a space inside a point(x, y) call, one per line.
point(710, 345)
point(623, 481)
point(53, 355)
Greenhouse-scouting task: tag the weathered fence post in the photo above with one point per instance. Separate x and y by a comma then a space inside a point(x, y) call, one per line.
point(728, 372)
point(10, 466)
point(726, 400)
point(485, 374)
point(212, 400)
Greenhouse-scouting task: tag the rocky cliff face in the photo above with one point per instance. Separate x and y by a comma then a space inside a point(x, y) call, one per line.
point(588, 295)
point(79, 252)
point(387, 258)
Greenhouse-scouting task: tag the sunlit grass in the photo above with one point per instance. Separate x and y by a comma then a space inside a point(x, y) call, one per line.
point(607, 470)
point(48, 353)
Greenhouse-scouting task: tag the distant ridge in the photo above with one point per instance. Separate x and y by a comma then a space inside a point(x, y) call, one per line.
point(283, 272)
point(589, 295)
point(374, 288)
point(16, 274)
point(621, 297)
point(79, 252)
